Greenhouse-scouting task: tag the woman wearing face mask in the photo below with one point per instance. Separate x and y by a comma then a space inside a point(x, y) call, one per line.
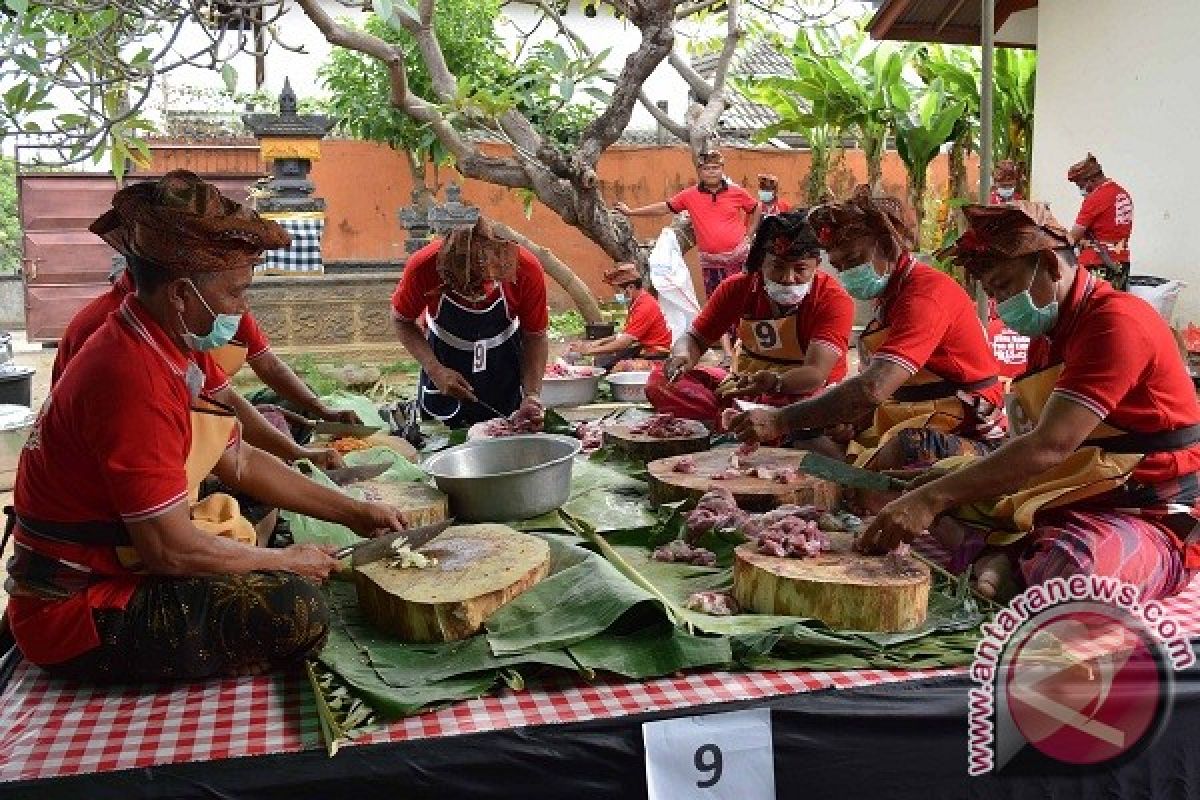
point(928, 384)
point(793, 325)
point(646, 334)
point(1106, 429)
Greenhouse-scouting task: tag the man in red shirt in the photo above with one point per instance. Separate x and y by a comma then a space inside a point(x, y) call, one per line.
point(929, 379)
point(483, 299)
point(793, 323)
point(768, 196)
point(1104, 223)
point(1107, 429)
point(256, 428)
point(646, 334)
point(1005, 177)
point(719, 211)
point(117, 573)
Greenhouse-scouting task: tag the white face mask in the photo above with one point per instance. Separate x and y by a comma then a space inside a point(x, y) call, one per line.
point(786, 294)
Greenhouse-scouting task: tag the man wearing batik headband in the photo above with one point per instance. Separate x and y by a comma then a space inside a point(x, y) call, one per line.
point(646, 334)
point(768, 196)
point(119, 574)
point(793, 326)
point(1106, 429)
point(928, 382)
point(483, 299)
point(1104, 223)
point(1005, 177)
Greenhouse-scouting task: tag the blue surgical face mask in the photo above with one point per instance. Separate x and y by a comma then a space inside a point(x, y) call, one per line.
point(863, 282)
point(1026, 318)
point(224, 328)
point(1005, 193)
point(766, 195)
point(1083, 191)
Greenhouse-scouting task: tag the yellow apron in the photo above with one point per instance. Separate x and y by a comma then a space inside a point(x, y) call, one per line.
point(767, 345)
point(941, 413)
point(1088, 472)
point(231, 358)
point(212, 424)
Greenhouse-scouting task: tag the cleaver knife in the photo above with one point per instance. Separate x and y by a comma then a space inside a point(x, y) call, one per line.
point(381, 546)
point(844, 474)
point(345, 429)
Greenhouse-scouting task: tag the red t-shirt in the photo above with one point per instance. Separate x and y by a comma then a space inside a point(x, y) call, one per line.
point(932, 323)
point(1107, 213)
point(251, 336)
point(108, 456)
point(777, 207)
point(824, 317)
point(420, 288)
point(1146, 389)
point(89, 319)
point(717, 217)
point(994, 199)
point(647, 324)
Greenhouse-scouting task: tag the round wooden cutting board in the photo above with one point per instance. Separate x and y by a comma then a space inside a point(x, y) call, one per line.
point(842, 588)
point(418, 503)
point(752, 493)
point(650, 448)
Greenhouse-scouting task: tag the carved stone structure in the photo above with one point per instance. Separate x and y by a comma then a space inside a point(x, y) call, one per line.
point(423, 223)
point(291, 142)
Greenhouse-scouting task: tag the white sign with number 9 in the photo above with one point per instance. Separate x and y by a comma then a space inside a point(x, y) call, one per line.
point(717, 756)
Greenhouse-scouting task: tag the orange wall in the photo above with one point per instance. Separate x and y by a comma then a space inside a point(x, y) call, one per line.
point(364, 184)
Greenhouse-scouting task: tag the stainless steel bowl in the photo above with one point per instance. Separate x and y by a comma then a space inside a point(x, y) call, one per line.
point(510, 478)
point(629, 387)
point(563, 392)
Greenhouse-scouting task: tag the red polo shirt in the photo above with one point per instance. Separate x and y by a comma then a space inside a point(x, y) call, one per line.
point(420, 288)
point(718, 217)
point(647, 324)
point(1107, 213)
point(824, 317)
point(932, 323)
point(777, 207)
point(1121, 362)
point(101, 456)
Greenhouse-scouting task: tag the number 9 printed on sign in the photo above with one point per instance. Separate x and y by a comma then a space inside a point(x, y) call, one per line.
point(717, 756)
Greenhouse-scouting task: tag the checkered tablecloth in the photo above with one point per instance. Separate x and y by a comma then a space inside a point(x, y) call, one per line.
point(304, 254)
point(51, 728)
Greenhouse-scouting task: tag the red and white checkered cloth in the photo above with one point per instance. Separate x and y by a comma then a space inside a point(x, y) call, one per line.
point(51, 728)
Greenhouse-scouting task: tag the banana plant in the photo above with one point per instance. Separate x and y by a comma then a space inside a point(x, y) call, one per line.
point(959, 70)
point(1016, 77)
point(920, 136)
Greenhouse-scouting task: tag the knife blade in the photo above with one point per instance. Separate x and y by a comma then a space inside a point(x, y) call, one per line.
point(344, 476)
point(381, 546)
point(844, 474)
point(345, 429)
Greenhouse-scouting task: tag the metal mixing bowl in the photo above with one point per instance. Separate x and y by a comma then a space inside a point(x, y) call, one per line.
point(629, 387)
point(510, 478)
point(563, 392)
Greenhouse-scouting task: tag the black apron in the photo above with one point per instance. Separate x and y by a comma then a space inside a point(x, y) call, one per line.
point(483, 346)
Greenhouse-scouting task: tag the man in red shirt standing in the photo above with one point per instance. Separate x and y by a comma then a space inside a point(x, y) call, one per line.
point(483, 300)
point(118, 574)
point(793, 326)
point(646, 334)
point(768, 196)
point(929, 382)
point(1100, 477)
point(1104, 223)
point(719, 210)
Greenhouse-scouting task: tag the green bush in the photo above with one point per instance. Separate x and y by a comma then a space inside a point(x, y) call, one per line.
point(10, 222)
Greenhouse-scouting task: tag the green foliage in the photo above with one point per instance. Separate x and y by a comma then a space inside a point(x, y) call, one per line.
point(548, 86)
point(566, 323)
point(10, 223)
point(920, 136)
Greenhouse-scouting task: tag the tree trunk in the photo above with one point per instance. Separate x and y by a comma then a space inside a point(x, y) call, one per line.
point(818, 174)
point(873, 148)
point(958, 169)
point(916, 196)
point(571, 283)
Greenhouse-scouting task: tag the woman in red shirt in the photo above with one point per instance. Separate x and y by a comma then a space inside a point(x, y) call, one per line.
point(793, 326)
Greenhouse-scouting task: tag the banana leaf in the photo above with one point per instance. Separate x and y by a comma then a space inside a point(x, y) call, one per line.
point(401, 468)
point(657, 650)
point(362, 405)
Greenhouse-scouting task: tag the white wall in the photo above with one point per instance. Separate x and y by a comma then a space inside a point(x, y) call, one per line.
point(1117, 79)
point(1019, 28)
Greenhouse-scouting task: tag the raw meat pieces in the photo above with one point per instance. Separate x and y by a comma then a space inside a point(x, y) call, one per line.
point(788, 531)
point(717, 510)
point(718, 604)
point(680, 552)
point(685, 466)
point(792, 537)
point(666, 426)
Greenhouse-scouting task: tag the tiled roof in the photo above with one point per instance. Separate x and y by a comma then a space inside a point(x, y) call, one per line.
point(742, 119)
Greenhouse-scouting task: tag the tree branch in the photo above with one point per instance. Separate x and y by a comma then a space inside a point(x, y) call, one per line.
point(675, 128)
point(694, 79)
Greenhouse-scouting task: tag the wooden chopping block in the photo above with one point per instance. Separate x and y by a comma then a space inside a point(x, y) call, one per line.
point(751, 493)
point(479, 569)
point(844, 589)
point(650, 448)
point(418, 503)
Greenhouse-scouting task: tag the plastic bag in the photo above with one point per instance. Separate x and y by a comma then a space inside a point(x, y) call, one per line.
point(671, 278)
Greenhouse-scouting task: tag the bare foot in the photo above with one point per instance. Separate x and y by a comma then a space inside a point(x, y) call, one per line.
point(994, 577)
